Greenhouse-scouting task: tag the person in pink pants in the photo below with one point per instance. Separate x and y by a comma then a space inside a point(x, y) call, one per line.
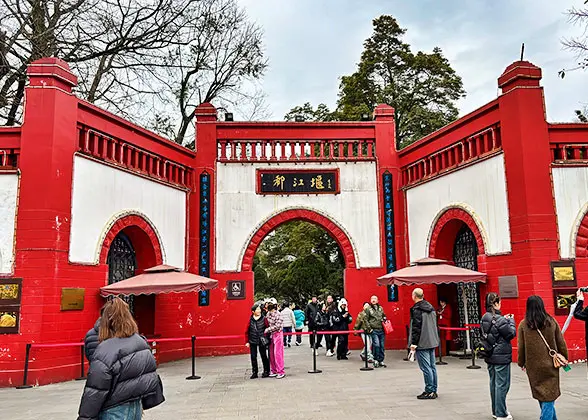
point(276, 349)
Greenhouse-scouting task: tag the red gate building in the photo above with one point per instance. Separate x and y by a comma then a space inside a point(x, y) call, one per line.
point(87, 198)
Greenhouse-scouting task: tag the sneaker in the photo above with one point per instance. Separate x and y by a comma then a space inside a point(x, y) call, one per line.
point(272, 375)
point(289, 345)
point(362, 357)
point(376, 364)
point(265, 375)
point(382, 364)
point(508, 416)
point(349, 353)
point(280, 376)
point(427, 396)
point(371, 360)
point(330, 353)
point(297, 344)
point(421, 395)
point(344, 358)
point(254, 376)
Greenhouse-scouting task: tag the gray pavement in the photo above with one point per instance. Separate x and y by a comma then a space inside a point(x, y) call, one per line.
point(341, 392)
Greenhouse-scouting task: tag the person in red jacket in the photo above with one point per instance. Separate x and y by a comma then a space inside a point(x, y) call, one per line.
point(444, 315)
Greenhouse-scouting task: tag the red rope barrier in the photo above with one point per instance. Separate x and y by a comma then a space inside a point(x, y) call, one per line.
point(339, 332)
point(53, 345)
point(454, 329)
point(164, 340)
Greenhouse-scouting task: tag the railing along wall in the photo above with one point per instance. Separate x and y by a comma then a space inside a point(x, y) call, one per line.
point(569, 153)
point(295, 150)
point(477, 146)
point(121, 153)
point(9, 147)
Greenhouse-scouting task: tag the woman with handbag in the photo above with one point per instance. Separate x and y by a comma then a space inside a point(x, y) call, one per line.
point(542, 352)
point(122, 381)
point(257, 340)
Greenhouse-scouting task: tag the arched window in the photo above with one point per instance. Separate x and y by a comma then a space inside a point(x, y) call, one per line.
point(122, 262)
point(465, 255)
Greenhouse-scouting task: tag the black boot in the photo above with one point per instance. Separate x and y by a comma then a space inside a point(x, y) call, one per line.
point(253, 376)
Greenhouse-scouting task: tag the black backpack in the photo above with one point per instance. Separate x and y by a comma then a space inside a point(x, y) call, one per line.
point(336, 318)
point(321, 320)
point(484, 347)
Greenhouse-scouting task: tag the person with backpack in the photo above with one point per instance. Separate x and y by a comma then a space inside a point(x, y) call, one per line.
point(495, 347)
point(539, 340)
point(340, 319)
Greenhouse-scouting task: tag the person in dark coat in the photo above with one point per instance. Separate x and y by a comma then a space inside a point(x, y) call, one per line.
point(423, 339)
point(581, 313)
point(500, 330)
point(534, 355)
point(341, 319)
point(91, 341)
point(122, 380)
point(256, 340)
point(310, 313)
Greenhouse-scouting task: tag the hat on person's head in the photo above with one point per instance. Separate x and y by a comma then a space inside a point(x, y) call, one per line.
point(342, 302)
point(273, 301)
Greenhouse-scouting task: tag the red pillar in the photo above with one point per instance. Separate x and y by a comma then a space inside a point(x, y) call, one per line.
point(525, 141)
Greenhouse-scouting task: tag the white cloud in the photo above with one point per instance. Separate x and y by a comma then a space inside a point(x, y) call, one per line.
point(311, 43)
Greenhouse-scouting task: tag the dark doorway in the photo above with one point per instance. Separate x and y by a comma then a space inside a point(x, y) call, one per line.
point(465, 255)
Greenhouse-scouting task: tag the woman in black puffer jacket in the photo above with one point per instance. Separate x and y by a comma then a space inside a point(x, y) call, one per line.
point(500, 330)
point(122, 380)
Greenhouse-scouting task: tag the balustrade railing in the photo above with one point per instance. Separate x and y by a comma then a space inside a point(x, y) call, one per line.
point(465, 151)
point(120, 153)
point(295, 150)
point(569, 153)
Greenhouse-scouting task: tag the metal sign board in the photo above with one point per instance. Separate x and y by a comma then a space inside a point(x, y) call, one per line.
point(236, 289)
point(72, 299)
point(508, 287)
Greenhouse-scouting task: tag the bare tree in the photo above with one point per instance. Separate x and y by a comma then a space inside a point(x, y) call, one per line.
point(139, 58)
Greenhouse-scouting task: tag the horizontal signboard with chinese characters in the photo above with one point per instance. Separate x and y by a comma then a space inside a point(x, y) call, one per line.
point(293, 181)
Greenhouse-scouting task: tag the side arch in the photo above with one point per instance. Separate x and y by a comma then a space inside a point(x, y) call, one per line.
point(307, 215)
point(142, 234)
point(580, 235)
point(447, 225)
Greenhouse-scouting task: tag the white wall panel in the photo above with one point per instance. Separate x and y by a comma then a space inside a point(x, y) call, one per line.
point(101, 194)
point(480, 189)
point(8, 197)
point(240, 211)
point(570, 187)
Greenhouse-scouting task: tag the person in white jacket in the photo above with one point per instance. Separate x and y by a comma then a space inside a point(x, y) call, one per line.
point(289, 322)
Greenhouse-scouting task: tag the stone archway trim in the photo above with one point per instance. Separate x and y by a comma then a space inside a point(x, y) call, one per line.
point(299, 214)
point(456, 213)
point(581, 243)
point(125, 221)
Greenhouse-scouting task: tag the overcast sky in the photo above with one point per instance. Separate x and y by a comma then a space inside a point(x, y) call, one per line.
point(310, 44)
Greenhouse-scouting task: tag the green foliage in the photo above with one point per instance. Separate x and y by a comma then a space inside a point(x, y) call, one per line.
point(308, 113)
point(296, 261)
point(422, 87)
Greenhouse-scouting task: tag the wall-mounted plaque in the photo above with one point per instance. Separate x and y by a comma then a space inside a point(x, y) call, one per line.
point(10, 291)
point(236, 289)
point(72, 299)
point(508, 287)
point(563, 274)
point(564, 298)
point(9, 319)
point(294, 181)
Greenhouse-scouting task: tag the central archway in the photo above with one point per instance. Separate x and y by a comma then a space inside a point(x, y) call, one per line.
point(299, 214)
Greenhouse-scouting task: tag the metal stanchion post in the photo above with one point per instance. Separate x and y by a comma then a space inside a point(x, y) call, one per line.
point(193, 376)
point(365, 348)
point(26, 369)
point(314, 369)
point(82, 377)
point(473, 365)
point(407, 350)
point(440, 362)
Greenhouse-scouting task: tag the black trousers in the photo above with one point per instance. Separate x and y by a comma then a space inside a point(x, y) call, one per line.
point(342, 345)
point(263, 352)
point(319, 338)
point(331, 341)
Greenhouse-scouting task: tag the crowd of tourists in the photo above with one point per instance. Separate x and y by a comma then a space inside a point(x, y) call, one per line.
point(122, 380)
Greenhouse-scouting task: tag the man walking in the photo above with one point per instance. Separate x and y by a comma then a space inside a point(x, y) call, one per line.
point(374, 317)
point(423, 339)
point(310, 314)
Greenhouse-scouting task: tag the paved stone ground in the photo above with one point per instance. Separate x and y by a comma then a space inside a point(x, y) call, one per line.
point(341, 392)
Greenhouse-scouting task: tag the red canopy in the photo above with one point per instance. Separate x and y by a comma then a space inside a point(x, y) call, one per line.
point(431, 271)
point(160, 279)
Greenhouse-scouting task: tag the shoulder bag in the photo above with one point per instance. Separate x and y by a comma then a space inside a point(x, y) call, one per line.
point(263, 340)
point(558, 359)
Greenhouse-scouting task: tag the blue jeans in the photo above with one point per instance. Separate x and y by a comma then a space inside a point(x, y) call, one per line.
point(547, 410)
point(499, 386)
point(378, 345)
point(128, 411)
point(426, 359)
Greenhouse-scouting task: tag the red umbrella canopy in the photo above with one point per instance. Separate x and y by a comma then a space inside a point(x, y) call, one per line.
point(160, 279)
point(431, 271)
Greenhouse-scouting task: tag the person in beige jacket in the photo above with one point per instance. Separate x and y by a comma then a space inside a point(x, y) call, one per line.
point(534, 357)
